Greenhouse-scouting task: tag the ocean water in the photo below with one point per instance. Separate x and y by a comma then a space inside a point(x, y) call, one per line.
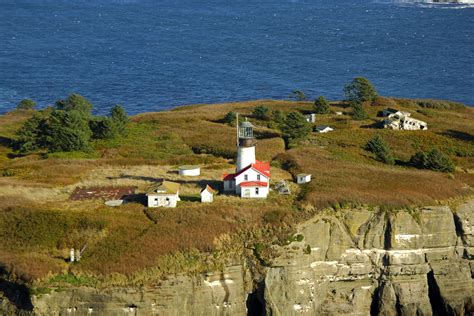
point(153, 55)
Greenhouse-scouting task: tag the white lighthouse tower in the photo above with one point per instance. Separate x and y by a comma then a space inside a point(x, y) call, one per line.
point(245, 145)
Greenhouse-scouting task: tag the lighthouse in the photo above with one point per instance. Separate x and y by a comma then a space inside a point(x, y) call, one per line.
point(252, 177)
point(245, 145)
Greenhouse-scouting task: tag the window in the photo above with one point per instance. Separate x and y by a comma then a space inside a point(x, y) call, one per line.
point(258, 177)
point(246, 177)
point(256, 191)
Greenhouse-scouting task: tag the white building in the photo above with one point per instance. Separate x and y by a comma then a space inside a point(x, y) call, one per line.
point(323, 129)
point(189, 171)
point(207, 194)
point(164, 194)
point(402, 121)
point(252, 177)
point(303, 178)
point(310, 118)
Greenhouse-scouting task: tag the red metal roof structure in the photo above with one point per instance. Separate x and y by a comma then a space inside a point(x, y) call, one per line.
point(259, 166)
point(253, 184)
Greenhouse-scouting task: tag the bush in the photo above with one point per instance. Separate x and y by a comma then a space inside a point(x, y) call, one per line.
point(75, 102)
point(295, 126)
point(433, 160)
point(358, 112)
point(119, 118)
point(298, 95)
point(261, 112)
point(381, 150)
point(104, 128)
point(360, 90)
point(26, 104)
point(321, 105)
point(440, 104)
point(229, 117)
point(28, 135)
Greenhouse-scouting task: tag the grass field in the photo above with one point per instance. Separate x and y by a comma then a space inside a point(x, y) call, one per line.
point(131, 244)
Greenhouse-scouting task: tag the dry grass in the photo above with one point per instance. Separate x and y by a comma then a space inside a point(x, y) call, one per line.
point(141, 244)
point(337, 181)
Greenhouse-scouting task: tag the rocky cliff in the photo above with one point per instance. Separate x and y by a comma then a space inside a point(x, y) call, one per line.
point(357, 262)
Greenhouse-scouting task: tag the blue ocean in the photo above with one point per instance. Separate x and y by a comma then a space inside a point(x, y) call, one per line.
point(153, 55)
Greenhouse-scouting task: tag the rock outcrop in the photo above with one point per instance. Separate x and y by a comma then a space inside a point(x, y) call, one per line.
point(357, 262)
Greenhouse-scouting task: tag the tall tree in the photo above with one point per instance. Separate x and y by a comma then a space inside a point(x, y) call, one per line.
point(75, 102)
point(360, 90)
point(28, 135)
point(295, 126)
point(66, 131)
point(321, 105)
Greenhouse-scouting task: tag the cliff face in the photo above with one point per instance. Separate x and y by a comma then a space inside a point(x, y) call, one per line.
point(362, 263)
point(356, 262)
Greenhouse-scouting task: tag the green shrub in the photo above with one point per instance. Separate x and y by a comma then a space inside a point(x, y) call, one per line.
point(358, 112)
point(26, 104)
point(433, 160)
point(298, 95)
point(381, 150)
point(261, 112)
point(229, 117)
point(321, 105)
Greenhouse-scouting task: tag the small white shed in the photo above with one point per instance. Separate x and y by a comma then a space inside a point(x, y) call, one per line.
point(164, 194)
point(189, 171)
point(303, 178)
point(207, 194)
point(310, 118)
point(323, 129)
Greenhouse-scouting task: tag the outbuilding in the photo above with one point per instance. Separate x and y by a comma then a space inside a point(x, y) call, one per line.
point(310, 118)
point(189, 171)
point(164, 194)
point(303, 178)
point(207, 194)
point(323, 129)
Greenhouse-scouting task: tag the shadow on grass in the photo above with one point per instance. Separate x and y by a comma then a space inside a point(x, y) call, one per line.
point(459, 135)
point(190, 198)
point(377, 125)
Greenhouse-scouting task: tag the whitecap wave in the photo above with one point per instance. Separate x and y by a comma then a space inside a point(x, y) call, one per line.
point(438, 4)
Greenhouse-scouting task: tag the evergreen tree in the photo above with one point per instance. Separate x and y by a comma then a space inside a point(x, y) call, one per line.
point(321, 105)
point(75, 102)
point(278, 117)
point(434, 160)
point(360, 90)
point(103, 127)
point(28, 135)
point(26, 104)
point(66, 131)
point(295, 126)
point(381, 150)
point(119, 119)
point(261, 112)
point(229, 117)
point(358, 112)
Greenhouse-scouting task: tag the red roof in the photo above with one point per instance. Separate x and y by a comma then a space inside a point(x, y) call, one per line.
point(260, 167)
point(253, 184)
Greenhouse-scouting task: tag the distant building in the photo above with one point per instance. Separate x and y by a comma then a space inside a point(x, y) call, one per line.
point(338, 113)
point(164, 194)
point(323, 129)
point(310, 118)
point(252, 177)
point(189, 171)
point(303, 178)
point(207, 194)
point(402, 121)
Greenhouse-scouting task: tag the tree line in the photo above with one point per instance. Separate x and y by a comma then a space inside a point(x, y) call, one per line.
point(68, 126)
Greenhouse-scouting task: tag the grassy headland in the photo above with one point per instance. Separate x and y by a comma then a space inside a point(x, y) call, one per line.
point(131, 244)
